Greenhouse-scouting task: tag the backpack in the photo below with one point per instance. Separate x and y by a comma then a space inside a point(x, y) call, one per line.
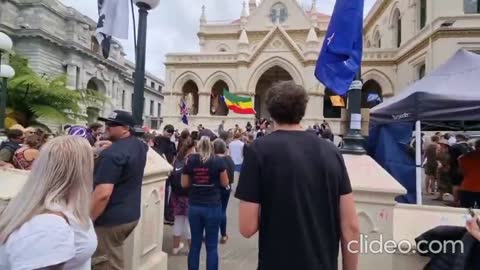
point(175, 178)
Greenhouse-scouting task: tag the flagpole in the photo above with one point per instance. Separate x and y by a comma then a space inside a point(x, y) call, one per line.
point(354, 142)
point(139, 87)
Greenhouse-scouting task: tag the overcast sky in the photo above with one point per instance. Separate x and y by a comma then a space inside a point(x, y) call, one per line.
point(173, 25)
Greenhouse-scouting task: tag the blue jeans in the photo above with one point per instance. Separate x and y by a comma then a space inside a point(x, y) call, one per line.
point(204, 218)
point(225, 196)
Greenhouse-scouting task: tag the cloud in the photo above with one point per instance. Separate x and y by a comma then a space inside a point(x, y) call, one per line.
point(173, 25)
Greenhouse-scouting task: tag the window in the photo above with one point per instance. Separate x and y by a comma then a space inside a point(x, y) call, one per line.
point(471, 6)
point(371, 94)
point(152, 84)
point(423, 13)
point(421, 71)
point(329, 110)
point(77, 80)
point(123, 99)
point(368, 45)
point(278, 13)
point(159, 110)
point(145, 81)
point(154, 124)
point(131, 103)
point(152, 107)
point(377, 40)
point(94, 46)
point(397, 25)
point(159, 88)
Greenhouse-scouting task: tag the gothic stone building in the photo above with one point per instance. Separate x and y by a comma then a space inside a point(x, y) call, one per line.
point(278, 40)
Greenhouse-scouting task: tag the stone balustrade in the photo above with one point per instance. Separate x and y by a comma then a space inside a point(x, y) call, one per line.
point(200, 58)
point(375, 54)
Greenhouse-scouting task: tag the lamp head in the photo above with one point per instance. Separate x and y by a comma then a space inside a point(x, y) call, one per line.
point(5, 43)
point(6, 71)
point(150, 4)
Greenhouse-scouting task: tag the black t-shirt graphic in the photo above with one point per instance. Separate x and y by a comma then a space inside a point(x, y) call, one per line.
point(298, 179)
point(205, 179)
point(122, 164)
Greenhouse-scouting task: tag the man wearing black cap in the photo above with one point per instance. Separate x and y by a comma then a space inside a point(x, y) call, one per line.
point(118, 179)
point(164, 145)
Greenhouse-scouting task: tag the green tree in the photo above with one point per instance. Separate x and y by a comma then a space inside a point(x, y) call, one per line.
point(32, 98)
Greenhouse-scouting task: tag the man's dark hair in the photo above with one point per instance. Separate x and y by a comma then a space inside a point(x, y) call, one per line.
point(461, 138)
point(327, 134)
point(13, 134)
point(169, 129)
point(435, 138)
point(95, 126)
point(286, 102)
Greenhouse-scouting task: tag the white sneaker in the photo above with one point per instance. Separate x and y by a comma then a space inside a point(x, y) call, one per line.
point(177, 250)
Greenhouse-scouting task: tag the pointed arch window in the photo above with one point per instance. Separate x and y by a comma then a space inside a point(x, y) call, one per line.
point(397, 26)
point(279, 13)
point(377, 40)
point(421, 71)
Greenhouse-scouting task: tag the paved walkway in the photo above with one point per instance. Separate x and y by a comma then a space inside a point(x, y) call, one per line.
point(238, 254)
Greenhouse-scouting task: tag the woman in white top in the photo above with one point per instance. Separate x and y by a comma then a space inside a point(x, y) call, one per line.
point(47, 225)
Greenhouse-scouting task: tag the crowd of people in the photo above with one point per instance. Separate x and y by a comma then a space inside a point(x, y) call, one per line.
point(451, 167)
point(281, 167)
point(50, 224)
point(292, 185)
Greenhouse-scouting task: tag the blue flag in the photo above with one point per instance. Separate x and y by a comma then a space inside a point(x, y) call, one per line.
point(341, 55)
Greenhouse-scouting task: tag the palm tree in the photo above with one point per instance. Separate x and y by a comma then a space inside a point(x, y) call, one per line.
point(33, 98)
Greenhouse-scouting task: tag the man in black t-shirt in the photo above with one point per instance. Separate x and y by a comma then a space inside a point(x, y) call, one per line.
point(118, 180)
point(164, 146)
point(301, 185)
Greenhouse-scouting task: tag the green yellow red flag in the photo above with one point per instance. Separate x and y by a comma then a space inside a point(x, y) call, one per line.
point(238, 104)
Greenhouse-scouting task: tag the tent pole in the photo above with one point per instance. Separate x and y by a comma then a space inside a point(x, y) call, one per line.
point(418, 161)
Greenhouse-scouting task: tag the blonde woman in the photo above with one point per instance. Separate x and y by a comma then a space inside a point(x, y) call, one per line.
point(47, 225)
point(204, 174)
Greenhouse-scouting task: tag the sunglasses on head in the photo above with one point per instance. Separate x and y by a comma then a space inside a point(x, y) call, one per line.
point(113, 124)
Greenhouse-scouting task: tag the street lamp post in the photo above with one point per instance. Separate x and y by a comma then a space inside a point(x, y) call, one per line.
point(138, 95)
point(6, 72)
point(353, 142)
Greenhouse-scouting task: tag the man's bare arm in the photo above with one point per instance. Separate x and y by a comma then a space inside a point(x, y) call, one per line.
point(100, 198)
point(249, 216)
point(350, 232)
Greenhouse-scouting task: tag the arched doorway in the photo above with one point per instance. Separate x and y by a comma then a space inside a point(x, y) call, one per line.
point(271, 76)
point(217, 103)
point(371, 94)
point(190, 95)
point(93, 112)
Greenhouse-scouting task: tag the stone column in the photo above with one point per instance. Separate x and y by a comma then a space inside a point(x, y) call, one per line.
point(203, 104)
point(71, 76)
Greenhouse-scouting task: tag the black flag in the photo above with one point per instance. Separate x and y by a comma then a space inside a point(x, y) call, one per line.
point(112, 22)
